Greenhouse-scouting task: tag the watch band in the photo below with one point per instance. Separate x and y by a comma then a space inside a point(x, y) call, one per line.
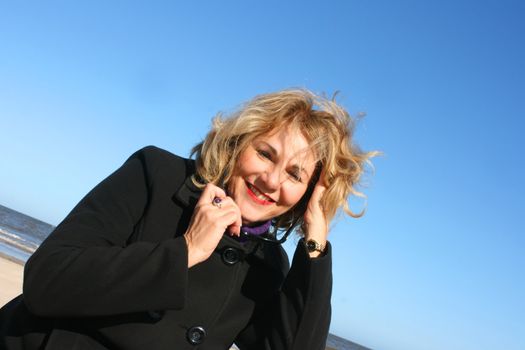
point(314, 246)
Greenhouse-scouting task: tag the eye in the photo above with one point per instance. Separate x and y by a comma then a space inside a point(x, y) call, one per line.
point(264, 154)
point(294, 175)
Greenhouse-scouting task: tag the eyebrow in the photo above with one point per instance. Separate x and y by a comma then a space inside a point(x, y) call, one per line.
point(300, 169)
point(295, 167)
point(272, 149)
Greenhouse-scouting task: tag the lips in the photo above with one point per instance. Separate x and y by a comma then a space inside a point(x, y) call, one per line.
point(257, 195)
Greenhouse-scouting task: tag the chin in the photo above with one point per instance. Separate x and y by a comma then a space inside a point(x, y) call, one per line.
point(250, 218)
point(249, 222)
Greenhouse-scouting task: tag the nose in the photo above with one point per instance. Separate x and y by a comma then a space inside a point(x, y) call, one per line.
point(272, 178)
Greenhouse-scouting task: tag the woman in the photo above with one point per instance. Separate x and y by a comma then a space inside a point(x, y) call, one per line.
point(171, 253)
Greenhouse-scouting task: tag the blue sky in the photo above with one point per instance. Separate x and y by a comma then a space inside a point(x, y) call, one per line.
point(437, 261)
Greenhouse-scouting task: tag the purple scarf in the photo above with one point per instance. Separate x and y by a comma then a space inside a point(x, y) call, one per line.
point(255, 230)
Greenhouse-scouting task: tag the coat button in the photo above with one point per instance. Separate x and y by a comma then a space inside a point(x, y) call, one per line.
point(196, 335)
point(230, 256)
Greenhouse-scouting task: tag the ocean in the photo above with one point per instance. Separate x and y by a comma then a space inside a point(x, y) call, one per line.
point(21, 234)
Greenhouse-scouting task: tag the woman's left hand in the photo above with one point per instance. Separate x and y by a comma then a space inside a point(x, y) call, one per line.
point(315, 217)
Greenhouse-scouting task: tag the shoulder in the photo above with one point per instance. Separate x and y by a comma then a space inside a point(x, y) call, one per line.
point(159, 165)
point(154, 154)
point(155, 158)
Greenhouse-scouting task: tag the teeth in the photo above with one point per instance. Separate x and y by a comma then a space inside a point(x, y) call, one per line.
point(258, 193)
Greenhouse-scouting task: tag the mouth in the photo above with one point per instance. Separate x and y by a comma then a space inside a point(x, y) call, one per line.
point(257, 195)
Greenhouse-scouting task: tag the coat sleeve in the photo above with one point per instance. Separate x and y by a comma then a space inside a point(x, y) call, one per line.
point(298, 316)
point(86, 266)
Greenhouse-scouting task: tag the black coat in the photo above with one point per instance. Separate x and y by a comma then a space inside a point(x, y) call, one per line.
point(114, 275)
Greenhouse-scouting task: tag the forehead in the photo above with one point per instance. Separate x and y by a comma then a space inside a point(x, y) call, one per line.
point(289, 143)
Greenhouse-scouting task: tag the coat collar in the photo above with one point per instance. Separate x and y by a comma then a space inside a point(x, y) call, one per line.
point(188, 194)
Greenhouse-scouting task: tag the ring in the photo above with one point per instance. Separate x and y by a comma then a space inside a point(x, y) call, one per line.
point(217, 202)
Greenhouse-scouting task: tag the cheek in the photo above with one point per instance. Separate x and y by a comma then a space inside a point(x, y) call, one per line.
point(248, 163)
point(291, 196)
point(241, 168)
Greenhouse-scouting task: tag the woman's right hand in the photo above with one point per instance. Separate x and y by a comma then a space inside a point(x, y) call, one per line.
point(209, 222)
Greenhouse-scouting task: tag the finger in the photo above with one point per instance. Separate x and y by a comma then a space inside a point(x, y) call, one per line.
point(209, 193)
point(318, 192)
point(322, 178)
point(319, 188)
point(235, 228)
point(229, 204)
point(228, 220)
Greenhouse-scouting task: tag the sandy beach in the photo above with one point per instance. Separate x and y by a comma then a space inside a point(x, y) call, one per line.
point(10, 280)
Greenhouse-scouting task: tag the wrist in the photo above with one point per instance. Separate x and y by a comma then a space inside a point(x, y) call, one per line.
point(314, 247)
point(192, 257)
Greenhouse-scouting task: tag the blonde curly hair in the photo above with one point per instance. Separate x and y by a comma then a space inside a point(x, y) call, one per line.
point(327, 127)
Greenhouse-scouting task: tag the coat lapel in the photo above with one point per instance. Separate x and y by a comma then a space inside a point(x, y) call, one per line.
point(188, 194)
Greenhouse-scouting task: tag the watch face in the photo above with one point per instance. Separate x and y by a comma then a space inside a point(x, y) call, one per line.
point(311, 246)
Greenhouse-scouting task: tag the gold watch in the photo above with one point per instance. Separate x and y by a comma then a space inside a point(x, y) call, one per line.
point(314, 246)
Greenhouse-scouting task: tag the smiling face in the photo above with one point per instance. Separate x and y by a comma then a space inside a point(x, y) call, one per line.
point(271, 175)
